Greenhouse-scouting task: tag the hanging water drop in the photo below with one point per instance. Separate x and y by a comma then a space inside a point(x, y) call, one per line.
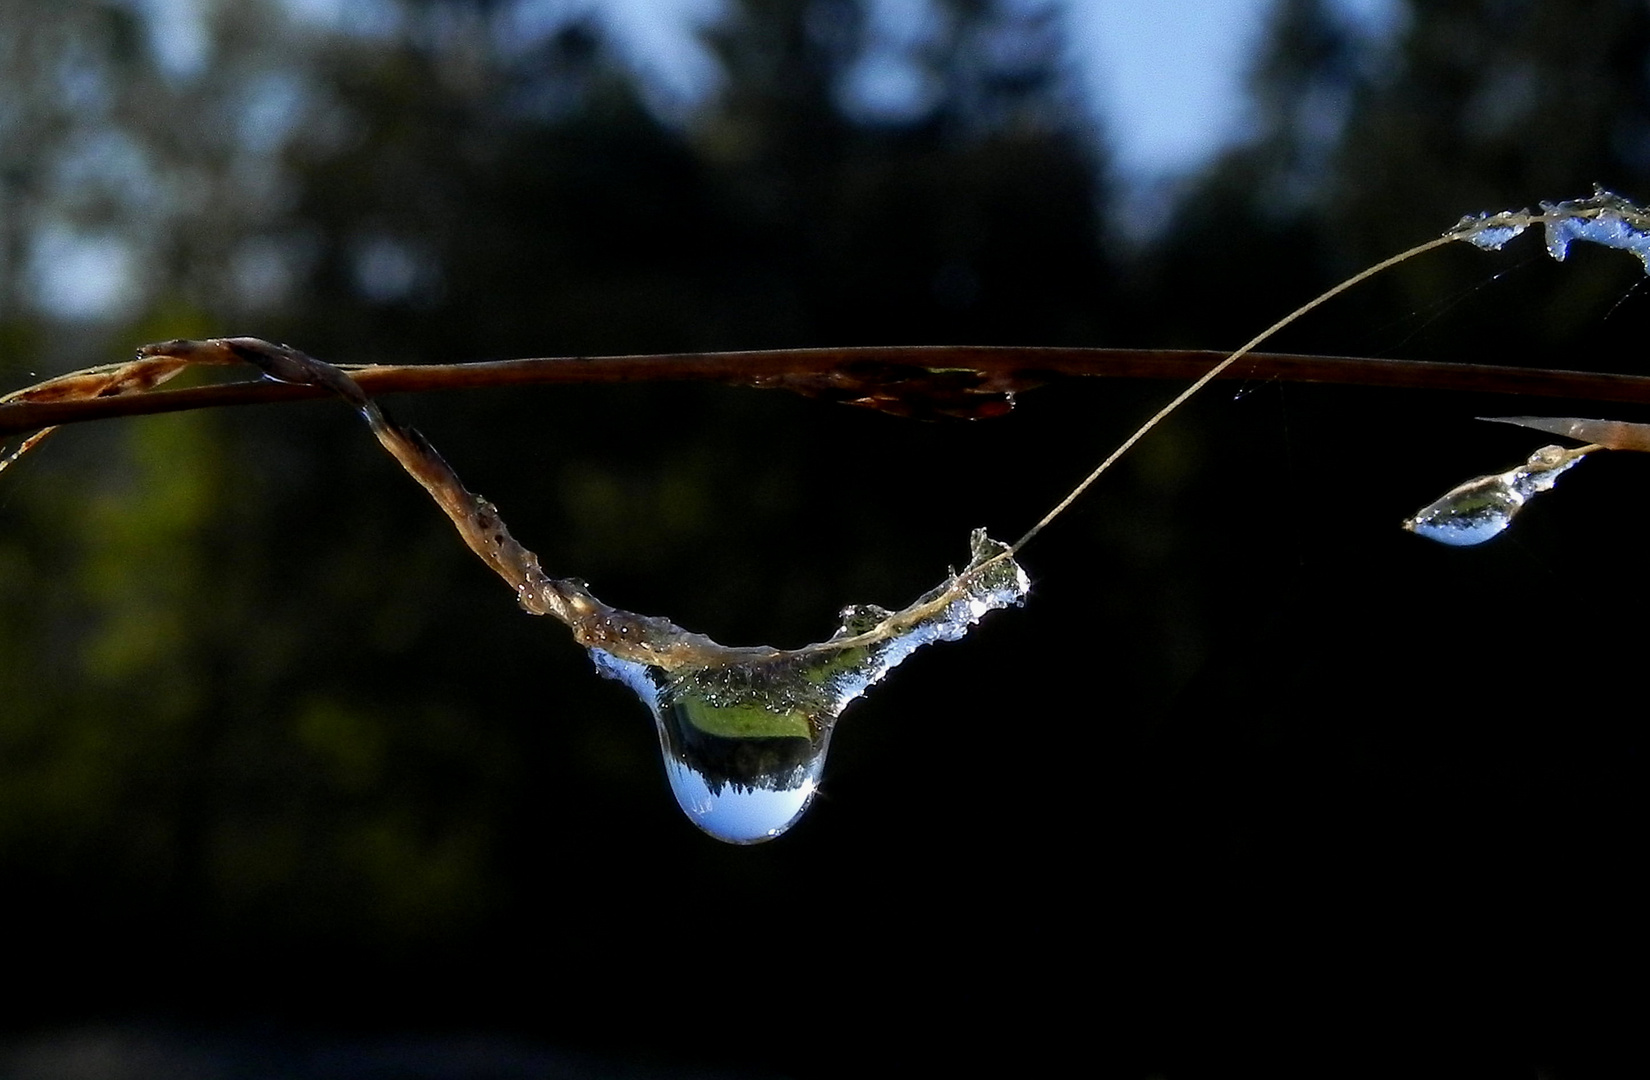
point(743, 751)
point(744, 732)
point(1483, 507)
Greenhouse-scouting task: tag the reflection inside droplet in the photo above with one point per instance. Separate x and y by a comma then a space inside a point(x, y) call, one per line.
point(1483, 507)
point(743, 788)
point(745, 732)
point(1470, 514)
point(744, 746)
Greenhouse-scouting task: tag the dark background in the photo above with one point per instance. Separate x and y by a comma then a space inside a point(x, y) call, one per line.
point(1255, 779)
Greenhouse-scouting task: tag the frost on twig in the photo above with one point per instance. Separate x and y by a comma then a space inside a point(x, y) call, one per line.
point(745, 738)
point(744, 729)
point(1483, 507)
point(1603, 218)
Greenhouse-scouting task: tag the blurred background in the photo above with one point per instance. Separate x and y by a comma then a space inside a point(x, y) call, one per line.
point(289, 787)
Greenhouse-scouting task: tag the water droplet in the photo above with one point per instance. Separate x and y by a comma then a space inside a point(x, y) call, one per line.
point(745, 732)
point(744, 745)
point(1470, 514)
point(1483, 507)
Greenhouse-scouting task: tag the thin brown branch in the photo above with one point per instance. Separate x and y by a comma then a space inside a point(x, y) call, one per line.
point(992, 580)
point(969, 381)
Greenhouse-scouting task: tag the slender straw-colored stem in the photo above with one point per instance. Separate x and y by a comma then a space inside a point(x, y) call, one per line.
point(1248, 347)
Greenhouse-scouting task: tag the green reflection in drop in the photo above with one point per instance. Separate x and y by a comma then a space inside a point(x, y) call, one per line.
point(745, 734)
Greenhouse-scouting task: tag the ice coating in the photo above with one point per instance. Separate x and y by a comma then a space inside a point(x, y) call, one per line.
point(745, 735)
point(1492, 231)
point(1603, 218)
point(992, 580)
point(1483, 507)
point(744, 729)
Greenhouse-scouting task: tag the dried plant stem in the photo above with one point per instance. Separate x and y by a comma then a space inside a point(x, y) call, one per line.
point(643, 639)
point(1181, 398)
point(856, 374)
